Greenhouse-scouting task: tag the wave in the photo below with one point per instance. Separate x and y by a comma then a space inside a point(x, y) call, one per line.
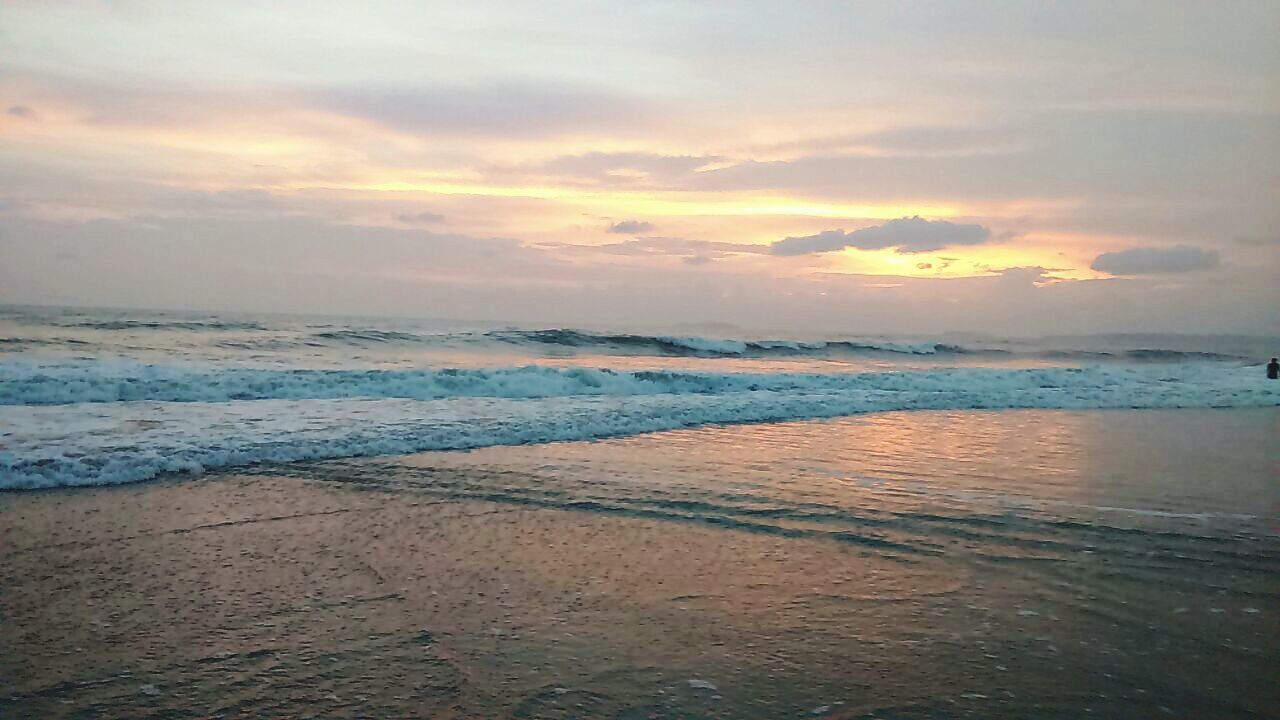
point(238, 335)
point(113, 382)
point(661, 345)
point(1139, 355)
point(115, 442)
point(695, 346)
point(18, 343)
point(702, 346)
point(187, 325)
point(362, 337)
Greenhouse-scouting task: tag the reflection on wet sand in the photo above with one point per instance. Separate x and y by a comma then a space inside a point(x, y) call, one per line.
point(909, 565)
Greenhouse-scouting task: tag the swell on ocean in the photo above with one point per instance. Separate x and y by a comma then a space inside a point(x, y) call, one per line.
point(105, 397)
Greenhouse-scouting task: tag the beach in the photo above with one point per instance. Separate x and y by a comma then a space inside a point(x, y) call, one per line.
point(639, 361)
point(899, 565)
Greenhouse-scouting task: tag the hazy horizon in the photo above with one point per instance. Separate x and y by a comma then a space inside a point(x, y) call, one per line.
point(712, 329)
point(912, 168)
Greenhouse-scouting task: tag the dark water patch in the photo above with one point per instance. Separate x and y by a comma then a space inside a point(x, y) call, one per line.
point(365, 336)
point(717, 347)
point(19, 343)
point(1152, 355)
point(1161, 355)
point(186, 325)
point(259, 344)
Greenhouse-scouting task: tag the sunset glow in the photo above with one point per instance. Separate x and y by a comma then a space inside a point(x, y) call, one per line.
point(660, 154)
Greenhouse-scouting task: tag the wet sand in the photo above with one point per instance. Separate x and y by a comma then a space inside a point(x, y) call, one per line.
point(277, 596)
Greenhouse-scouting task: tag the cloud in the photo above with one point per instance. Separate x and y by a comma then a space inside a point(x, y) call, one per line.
point(630, 227)
point(21, 111)
point(1150, 261)
point(1258, 240)
point(522, 108)
point(614, 169)
point(1026, 275)
point(603, 163)
point(691, 252)
point(1162, 158)
point(913, 141)
point(907, 235)
point(420, 218)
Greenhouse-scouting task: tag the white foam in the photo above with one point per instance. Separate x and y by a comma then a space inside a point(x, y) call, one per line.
point(707, 345)
point(90, 443)
point(34, 383)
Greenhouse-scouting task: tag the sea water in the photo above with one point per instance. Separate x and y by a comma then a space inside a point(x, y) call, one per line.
point(93, 397)
point(739, 525)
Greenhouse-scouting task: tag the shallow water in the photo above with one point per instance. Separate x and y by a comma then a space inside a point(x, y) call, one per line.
point(901, 565)
point(1210, 471)
point(1011, 564)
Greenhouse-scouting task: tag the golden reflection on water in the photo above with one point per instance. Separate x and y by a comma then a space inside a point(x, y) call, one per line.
point(901, 560)
point(1152, 463)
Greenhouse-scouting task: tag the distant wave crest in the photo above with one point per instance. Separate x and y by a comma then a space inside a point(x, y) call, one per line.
point(702, 346)
point(187, 325)
point(695, 346)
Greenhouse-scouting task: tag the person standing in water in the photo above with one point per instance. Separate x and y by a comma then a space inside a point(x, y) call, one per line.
point(1273, 369)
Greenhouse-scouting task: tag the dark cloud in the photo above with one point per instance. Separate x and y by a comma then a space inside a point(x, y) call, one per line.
point(630, 227)
point(21, 111)
point(906, 235)
point(1150, 261)
point(420, 218)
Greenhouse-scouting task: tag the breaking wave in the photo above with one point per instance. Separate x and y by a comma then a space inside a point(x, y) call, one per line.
point(99, 382)
point(1139, 355)
point(109, 423)
point(672, 345)
point(187, 325)
point(695, 346)
point(364, 337)
point(662, 345)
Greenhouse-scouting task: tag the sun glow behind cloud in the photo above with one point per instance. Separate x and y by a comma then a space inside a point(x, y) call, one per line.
point(672, 204)
point(960, 262)
point(715, 133)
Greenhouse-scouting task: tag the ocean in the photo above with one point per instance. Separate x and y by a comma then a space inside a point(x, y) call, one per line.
point(362, 517)
point(94, 397)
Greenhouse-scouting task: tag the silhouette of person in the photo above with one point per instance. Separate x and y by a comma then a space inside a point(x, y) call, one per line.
point(1273, 369)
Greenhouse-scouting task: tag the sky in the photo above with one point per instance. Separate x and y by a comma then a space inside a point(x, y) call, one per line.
point(917, 167)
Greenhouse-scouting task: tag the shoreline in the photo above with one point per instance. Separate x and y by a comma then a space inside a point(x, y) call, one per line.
point(273, 467)
point(390, 588)
point(282, 578)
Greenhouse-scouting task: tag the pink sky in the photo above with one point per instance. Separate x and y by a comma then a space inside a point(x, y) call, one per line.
point(1005, 167)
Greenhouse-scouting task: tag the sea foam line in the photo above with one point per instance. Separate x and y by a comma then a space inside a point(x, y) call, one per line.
point(23, 383)
point(107, 443)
